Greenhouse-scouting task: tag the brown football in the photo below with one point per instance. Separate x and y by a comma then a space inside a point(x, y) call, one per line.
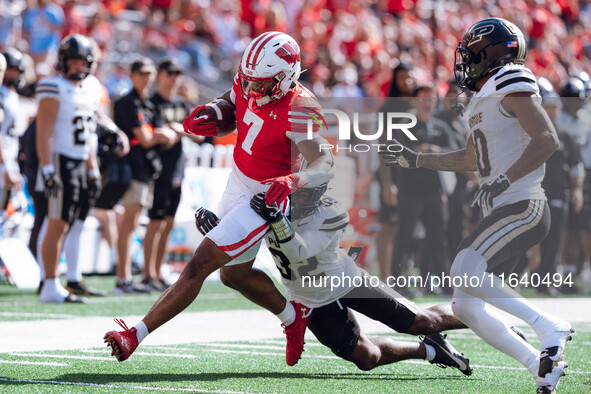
point(224, 114)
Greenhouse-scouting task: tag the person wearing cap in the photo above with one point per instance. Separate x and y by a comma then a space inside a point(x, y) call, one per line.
point(11, 68)
point(172, 110)
point(135, 115)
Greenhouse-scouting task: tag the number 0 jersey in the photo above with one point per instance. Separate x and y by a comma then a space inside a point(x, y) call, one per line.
point(266, 141)
point(498, 137)
point(309, 281)
point(76, 117)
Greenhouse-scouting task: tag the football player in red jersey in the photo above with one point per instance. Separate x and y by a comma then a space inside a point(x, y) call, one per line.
point(272, 112)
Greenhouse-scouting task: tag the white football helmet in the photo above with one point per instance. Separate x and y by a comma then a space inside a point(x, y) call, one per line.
point(269, 68)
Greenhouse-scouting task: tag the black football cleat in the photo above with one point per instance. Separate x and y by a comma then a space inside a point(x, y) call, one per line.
point(446, 355)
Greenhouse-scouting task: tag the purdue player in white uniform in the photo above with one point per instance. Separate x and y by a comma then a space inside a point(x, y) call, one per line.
point(10, 177)
point(307, 247)
point(68, 170)
point(511, 138)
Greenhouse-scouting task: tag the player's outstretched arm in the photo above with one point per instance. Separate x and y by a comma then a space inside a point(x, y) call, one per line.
point(527, 108)
point(457, 161)
point(321, 162)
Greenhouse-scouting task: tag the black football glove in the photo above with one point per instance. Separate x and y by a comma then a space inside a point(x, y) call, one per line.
point(271, 213)
point(95, 185)
point(205, 220)
point(53, 185)
point(484, 196)
point(406, 158)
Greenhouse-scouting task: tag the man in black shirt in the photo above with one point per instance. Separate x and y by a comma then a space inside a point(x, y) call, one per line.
point(421, 192)
point(135, 115)
point(171, 110)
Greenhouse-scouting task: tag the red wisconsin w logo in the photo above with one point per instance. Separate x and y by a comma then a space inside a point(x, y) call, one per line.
point(289, 53)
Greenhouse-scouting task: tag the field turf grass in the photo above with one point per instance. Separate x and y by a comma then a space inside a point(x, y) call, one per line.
point(249, 366)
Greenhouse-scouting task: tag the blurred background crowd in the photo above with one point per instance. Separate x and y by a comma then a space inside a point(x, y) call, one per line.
point(350, 48)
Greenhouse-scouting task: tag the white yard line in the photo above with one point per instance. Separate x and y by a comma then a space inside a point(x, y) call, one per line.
point(125, 298)
point(61, 356)
point(49, 364)
point(41, 315)
point(116, 386)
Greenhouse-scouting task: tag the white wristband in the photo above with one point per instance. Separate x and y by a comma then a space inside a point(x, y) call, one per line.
point(48, 169)
point(94, 173)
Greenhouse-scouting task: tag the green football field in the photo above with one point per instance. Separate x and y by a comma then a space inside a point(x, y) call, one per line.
point(223, 343)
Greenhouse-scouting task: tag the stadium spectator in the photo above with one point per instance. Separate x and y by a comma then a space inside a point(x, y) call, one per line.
point(74, 19)
point(10, 24)
point(118, 82)
point(42, 27)
point(346, 86)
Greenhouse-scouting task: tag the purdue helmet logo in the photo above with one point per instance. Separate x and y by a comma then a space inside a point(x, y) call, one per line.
point(480, 32)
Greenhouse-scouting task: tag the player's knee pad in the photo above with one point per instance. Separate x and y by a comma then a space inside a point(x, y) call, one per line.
point(468, 262)
point(466, 307)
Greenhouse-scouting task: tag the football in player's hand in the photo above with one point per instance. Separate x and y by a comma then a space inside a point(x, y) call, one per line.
point(223, 113)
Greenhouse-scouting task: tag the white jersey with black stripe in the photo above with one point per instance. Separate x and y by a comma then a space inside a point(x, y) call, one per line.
point(309, 281)
point(8, 126)
point(76, 117)
point(498, 137)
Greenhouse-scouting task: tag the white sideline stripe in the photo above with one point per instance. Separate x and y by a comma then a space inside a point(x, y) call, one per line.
point(115, 386)
point(116, 298)
point(32, 314)
point(109, 299)
point(62, 356)
point(34, 363)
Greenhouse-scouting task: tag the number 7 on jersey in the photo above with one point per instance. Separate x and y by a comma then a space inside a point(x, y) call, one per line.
point(256, 124)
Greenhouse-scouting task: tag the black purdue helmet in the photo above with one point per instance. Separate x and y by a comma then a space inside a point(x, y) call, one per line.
point(574, 87)
point(549, 95)
point(14, 59)
point(310, 206)
point(486, 46)
point(75, 46)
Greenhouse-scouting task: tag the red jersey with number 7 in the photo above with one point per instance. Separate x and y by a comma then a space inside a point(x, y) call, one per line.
point(267, 137)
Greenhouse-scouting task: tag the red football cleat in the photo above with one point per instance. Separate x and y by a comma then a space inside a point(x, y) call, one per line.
point(295, 333)
point(123, 343)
